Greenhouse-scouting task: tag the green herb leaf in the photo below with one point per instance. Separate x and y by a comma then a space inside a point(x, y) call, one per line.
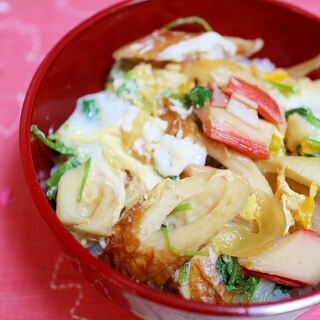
point(57, 145)
point(282, 288)
point(189, 20)
point(90, 108)
point(234, 272)
point(53, 181)
point(248, 286)
point(197, 97)
point(181, 207)
point(222, 269)
point(231, 272)
point(174, 178)
point(284, 87)
point(181, 253)
point(84, 179)
point(184, 274)
point(305, 113)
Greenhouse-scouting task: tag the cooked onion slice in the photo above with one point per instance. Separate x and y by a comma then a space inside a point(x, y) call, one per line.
point(138, 247)
point(304, 170)
point(238, 241)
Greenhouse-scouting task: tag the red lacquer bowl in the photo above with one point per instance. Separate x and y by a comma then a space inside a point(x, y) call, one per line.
point(78, 65)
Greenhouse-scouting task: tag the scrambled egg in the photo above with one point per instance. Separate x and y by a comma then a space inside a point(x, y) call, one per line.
point(297, 208)
point(125, 129)
point(144, 86)
point(251, 210)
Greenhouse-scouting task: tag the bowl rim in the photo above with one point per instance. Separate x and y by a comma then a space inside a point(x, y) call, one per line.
point(72, 245)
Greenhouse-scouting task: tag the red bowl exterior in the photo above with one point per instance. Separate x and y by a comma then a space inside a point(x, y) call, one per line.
point(78, 64)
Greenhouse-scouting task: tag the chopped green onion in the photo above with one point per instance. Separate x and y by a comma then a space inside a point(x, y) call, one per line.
point(53, 181)
point(90, 108)
point(313, 142)
point(189, 20)
point(284, 87)
point(197, 97)
point(181, 207)
point(84, 179)
point(181, 253)
point(310, 147)
point(57, 146)
point(312, 119)
point(183, 274)
point(305, 113)
point(174, 178)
